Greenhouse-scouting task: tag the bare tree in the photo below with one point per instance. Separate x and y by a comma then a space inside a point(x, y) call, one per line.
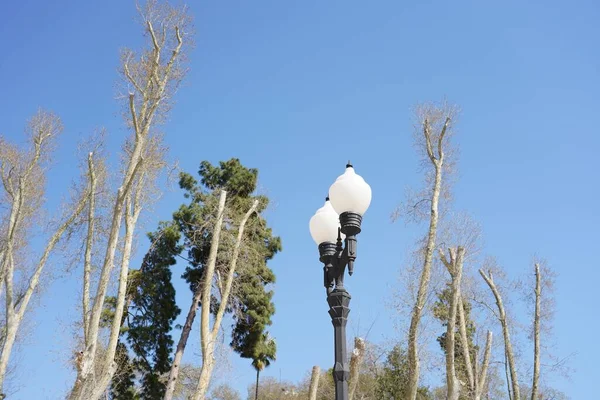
point(461, 229)
point(454, 265)
point(514, 392)
point(536, 333)
point(355, 363)
point(480, 374)
point(314, 383)
point(152, 80)
point(476, 374)
point(432, 134)
point(224, 392)
point(186, 383)
point(22, 173)
point(539, 292)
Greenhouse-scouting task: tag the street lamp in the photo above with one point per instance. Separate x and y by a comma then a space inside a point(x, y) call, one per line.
point(340, 219)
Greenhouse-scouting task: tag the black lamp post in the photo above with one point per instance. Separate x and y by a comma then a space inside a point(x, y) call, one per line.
point(340, 219)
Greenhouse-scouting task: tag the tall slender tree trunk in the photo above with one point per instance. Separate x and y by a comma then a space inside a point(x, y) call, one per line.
point(507, 373)
point(208, 363)
point(151, 80)
point(314, 383)
point(208, 335)
point(109, 364)
point(536, 334)
point(198, 295)
point(87, 260)
point(257, 381)
point(464, 342)
point(516, 394)
point(454, 267)
point(9, 341)
point(19, 182)
point(86, 370)
point(355, 363)
point(481, 378)
point(15, 310)
point(417, 312)
point(87, 385)
point(185, 334)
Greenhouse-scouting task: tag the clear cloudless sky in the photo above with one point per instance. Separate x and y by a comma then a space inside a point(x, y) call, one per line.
point(296, 89)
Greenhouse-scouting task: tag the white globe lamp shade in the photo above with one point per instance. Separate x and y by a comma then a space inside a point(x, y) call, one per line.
point(350, 193)
point(324, 224)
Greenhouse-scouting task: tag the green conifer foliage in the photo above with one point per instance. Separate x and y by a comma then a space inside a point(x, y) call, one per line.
point(151, 296)
point(392, 380)
point(148, 322)
point(251, 303)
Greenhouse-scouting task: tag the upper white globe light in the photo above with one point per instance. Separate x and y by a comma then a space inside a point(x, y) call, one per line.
point(324, 224)
point(350, 193)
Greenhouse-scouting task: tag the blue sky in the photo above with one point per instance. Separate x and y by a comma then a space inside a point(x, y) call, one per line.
point(296, 89)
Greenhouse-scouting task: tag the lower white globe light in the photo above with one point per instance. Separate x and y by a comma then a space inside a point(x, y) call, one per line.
point(324, 224)
point(350, 193)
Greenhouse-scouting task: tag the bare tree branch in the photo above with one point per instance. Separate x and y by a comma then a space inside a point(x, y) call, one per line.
point(87, 263)
point(505, 330)
point(536, 334)
point(441, 139)
point(428, 117)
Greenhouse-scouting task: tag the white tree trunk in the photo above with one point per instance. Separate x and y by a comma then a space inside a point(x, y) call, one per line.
point(89, 241)
point(151, 80)
point(185, 334)
point(455, 267)
point(417, 312)
point(16, 311)
point(516, 395)
point(536, 334)
point(208, 364)
point(207, 335)
point(480, 380)
point(314, 383)
point(355, 362)
point(471, 373)
point(18, 177)
point(85, 378)
point(198, 296)
point(109, 366)
point(13, 223)
point(11, 333)
point(435, 152)
point(154, 82)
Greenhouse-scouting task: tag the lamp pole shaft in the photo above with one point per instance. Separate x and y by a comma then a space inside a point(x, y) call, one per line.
point(339, 302)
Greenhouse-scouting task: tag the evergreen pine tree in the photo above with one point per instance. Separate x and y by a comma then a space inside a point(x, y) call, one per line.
point(251, 303)
point(151, 295)
point(148, 323)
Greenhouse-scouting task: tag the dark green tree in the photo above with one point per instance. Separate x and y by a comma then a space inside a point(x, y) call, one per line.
point(149, 319)
point(250, 303)
point(123, 387)
point(151, 296)
point(392, 381)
